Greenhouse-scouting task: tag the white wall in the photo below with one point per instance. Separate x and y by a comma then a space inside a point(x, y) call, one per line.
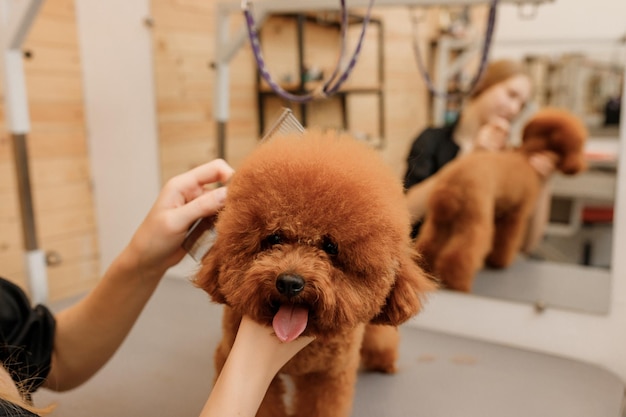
point(591, 338)
point(116, 54)
point(589, 26)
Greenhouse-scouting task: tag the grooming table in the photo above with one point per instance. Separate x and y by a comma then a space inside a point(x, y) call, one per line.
point(165, 369)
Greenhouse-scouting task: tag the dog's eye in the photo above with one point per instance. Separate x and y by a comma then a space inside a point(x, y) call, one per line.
point(273, 239)
point(329, 246)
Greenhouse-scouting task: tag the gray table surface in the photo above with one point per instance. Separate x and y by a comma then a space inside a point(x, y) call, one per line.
point(165, 369)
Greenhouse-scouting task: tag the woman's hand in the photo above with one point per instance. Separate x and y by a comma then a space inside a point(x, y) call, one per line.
point(89, 332)
point(185, 198)
point(255, 358)
point(543, 164)
point(493, 136)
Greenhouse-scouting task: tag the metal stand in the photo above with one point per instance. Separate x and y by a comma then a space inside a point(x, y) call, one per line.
point(18, 18)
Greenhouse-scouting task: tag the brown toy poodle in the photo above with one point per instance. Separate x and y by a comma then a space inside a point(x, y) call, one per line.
point(480, 204)
point(314, 240)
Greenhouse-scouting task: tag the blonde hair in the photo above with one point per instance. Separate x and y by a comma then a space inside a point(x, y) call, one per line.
point(13, 401)
point(496, 72)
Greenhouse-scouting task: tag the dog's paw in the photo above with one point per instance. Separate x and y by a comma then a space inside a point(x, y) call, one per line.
point(379, 350)
point(383, 361)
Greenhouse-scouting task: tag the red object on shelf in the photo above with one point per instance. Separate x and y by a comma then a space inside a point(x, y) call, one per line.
point(597, 214)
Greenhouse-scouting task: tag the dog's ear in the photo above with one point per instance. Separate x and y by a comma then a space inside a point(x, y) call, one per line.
point(405, 299)
point(207, 278)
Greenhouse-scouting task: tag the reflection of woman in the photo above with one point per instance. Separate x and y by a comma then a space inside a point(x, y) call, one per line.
point(62, 351)
point(483, 124)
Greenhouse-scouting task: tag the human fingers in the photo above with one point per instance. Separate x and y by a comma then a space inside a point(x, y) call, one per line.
point(491, 137)
point(262, 341)
point(543, 164)
point(217, 170)
point(186, 187)
point(500, 123)
point(205, 205)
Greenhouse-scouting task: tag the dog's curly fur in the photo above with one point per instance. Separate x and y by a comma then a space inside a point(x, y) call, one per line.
point(325, 208)
point(480, 205)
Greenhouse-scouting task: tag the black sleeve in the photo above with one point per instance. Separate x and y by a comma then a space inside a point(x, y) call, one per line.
point(26, 337)
point(421, 159)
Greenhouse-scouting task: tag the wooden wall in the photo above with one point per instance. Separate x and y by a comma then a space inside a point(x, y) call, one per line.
point(184, 45)
point(59, 162)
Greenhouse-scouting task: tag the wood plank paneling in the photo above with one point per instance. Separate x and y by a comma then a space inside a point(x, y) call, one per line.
point(184, 36)
point(61, 170)
point(183, 45)
point(58, 159)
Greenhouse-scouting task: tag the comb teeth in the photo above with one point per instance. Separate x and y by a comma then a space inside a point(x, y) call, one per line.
point(285, 124)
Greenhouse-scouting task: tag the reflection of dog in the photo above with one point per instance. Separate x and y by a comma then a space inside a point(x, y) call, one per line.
point(459, 232)
point(314, 240)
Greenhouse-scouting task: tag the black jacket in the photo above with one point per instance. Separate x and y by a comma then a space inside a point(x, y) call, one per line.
point(26, 337)
point(430, 151)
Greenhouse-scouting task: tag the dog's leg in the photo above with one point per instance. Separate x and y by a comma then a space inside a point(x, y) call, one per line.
point(329, 390)
point(509, 233)
point(464, 254)
point(431, 239)
point(323, 395)
point(379, 351)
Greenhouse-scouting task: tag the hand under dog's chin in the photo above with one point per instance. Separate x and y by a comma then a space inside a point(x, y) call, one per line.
point(291, 321)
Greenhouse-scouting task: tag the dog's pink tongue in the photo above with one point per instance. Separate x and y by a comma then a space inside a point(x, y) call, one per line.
point(290, 322)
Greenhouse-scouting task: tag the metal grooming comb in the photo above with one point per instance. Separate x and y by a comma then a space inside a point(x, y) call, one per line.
point(285, 124)
point(201, 235)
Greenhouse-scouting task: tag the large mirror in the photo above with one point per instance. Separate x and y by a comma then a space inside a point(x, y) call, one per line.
point(580, 67)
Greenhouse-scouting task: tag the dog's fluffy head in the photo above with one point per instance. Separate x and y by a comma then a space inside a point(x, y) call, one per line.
point(558, 131)
point(316, 224)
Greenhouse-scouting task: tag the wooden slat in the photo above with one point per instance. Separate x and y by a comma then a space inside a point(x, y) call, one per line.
point(77, 247)
point(64, 196)
point(239, 147)
point(51, 171)
point(55, 145)
point(325, 114)
point(53, 59)
point(201, 6)
point(12, 263)
point(9, 208)
point(59, 8)
point(59, 223)
point(183, 132)
point(175, 111)
point(359, 105)
point(177, 42)
point(7, 173)
point(167, 16)
point(54, 30)
point(180, 157)
point(11, 236)
point(53, 87)
point(56, 115)
point(184, 64)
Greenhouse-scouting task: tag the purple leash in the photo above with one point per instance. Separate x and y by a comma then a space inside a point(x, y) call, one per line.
point(491, 20)
point(336, 80)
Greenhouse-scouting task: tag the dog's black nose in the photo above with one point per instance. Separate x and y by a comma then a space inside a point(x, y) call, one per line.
point(289, 284)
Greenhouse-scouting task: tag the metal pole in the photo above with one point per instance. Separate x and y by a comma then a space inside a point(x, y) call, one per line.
point(16, 24)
